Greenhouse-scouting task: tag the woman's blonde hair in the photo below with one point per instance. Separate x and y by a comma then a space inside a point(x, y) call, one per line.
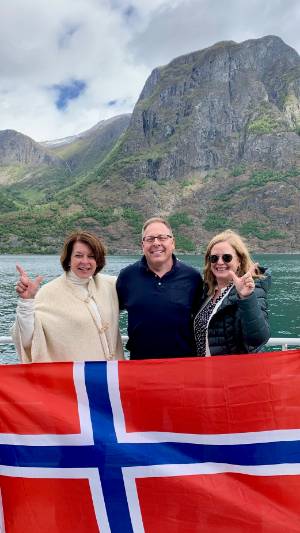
point(241, 250)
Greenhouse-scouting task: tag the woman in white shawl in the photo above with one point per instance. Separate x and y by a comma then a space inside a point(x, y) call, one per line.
point(75, 317)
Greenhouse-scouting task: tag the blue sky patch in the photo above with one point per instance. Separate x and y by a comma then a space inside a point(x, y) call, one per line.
point(130, 12)
point(111, 103)
point(65, 38)
point(67, 92)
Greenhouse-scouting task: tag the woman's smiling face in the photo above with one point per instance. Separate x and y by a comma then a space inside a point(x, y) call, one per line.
point(83, 262)
point(221, 269)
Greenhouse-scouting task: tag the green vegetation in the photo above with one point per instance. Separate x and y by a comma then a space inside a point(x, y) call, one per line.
point(180, 219)
point(184, 243)
point(103, 215)
point(261, 231)
point(215, 221)
point(111, 158)
point(221, 173)
point(114, 163)
point(177, 221)
point(266, 121)
point(238, 170)
point(187, 182)
point(30, 197)
point(43, 229)
point(133, 218)
point(140, 184)
point(7, 203)
point(66, 151)
point(259, 178)
point(264, 124)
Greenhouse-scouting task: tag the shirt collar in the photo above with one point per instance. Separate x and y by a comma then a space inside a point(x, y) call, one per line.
point(225, 289)
point(76, 280)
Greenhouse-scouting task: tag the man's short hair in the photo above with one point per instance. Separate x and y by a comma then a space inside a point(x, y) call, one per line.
point(156, 219)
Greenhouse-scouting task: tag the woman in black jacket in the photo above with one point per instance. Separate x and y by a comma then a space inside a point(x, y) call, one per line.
point(233, 315)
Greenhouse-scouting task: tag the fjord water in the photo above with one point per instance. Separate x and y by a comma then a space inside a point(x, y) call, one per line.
point(284, 297)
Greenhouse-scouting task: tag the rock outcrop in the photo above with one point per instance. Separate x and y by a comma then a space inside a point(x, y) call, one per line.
point(213, 143)
point(16, 148)
point(227, 105)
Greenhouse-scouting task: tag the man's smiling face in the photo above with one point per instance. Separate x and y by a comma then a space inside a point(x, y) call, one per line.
point(158, 253)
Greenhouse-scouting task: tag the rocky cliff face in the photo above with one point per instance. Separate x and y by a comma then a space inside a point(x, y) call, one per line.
point(16, 148)
point(24, 160)
point(21, 157)
point(220, 107)
point(213, 143)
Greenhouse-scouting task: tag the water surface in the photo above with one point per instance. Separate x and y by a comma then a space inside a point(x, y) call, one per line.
point(284, 297)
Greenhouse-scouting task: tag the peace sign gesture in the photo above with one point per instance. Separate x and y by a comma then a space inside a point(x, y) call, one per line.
point(244, 285)
point(26, 287)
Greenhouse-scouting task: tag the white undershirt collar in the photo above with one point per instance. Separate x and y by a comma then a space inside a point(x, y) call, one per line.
point(76, 280)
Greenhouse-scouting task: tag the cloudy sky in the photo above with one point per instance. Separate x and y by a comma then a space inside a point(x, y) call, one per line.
point(67, 64)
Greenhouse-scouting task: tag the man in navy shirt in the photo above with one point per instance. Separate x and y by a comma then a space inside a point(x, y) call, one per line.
point(160, 294)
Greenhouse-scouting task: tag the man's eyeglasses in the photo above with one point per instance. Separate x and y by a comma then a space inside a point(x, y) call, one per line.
point(161, 238)
point(227, 258)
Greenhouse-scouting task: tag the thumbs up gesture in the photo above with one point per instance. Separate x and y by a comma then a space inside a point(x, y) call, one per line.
point(244, 285)
point(26, 287)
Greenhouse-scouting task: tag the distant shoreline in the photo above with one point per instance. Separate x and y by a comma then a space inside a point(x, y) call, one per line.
point(138, 252)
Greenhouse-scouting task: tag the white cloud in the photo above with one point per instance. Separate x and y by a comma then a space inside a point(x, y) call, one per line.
point(111, 45)
point(195, 24)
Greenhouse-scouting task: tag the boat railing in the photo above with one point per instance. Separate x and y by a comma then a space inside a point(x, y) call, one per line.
point(283, 342)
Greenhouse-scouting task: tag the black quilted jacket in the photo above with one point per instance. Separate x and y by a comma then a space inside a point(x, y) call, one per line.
point(241, 325)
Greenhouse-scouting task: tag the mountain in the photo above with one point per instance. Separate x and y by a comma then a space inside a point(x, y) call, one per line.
point(34, 171)
point(21, 156)
point(86, 150)
point(213, 142)
point(227, 105)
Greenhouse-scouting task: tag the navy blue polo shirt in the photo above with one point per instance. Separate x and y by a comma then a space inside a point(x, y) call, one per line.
point(160, 310)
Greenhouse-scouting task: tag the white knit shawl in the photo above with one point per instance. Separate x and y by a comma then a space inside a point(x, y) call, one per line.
point(66, 326)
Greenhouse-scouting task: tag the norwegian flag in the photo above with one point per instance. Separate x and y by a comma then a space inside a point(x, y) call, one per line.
point(170, 446)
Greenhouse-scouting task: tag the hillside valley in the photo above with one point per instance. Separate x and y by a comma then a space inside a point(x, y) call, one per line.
point(213, 142)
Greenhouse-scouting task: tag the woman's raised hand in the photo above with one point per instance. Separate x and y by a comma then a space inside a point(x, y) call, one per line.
point(244, 285)
point(26, 287)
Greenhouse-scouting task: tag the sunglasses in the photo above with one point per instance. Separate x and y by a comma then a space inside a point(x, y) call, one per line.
point(227, 258)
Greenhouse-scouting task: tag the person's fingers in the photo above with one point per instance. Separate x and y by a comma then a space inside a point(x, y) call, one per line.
point(20, 287)
point(38, 280)
point(21, 270)
point(254, 269)
point(248, 276)
point(249, 283)
point(23, 276)
point(21, 283)
point(233, 275)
